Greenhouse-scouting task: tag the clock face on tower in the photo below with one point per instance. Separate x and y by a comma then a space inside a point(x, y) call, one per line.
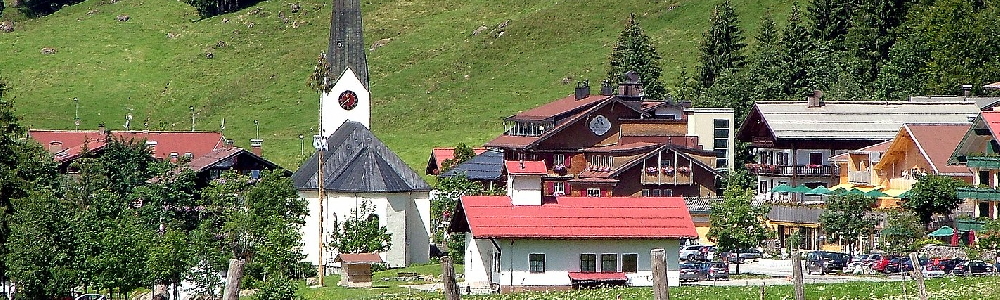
point(348, 100)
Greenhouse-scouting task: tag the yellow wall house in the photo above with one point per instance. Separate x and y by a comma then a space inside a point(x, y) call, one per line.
point(919, 149)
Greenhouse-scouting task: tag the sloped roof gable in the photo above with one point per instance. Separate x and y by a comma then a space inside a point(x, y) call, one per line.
point(357, 161)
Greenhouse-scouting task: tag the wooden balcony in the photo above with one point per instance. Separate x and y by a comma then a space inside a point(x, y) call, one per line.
point(781, 170)
point(791, 213)
point(983, 162)
point(859, 177)
point(674, 178)
point(979, 193)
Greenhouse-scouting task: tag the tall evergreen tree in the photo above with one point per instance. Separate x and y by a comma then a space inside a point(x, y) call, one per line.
point(634, 51)
point(721, 49)
point(796, 47)
point(830, 21)
point(872, 35)
point(764, 72)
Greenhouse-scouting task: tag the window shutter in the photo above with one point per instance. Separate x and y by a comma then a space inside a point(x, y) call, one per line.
point(549, 188)
point(567, 187)
point(569, 164)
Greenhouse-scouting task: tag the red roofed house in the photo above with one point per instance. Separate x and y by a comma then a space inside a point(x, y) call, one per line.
point(520, 242)
point(209, 153)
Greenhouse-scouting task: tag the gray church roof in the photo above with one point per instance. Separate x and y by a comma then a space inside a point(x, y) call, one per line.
point(357, 161)
point(347, 45)
point(485, 166)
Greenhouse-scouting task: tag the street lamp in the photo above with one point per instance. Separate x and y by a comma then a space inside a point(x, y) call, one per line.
point(301, 149)
point(320, 144)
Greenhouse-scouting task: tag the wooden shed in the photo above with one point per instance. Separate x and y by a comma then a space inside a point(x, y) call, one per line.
point(356, 268)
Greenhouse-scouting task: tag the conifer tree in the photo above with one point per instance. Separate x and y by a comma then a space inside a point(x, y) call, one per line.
point(634, 51)
point(830, 21)
point(763, 72)
point(796, 46)
point(872, 35)
point(721, 49)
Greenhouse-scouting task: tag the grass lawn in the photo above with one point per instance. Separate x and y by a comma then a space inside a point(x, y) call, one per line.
point(433, 83)
point(939, 288)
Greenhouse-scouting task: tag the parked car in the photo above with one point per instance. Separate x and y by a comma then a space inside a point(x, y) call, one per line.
point(933, 270)
point(949, 264)
point(694, 271)
point(745, 255)
point(974, 267)
point(881, 264)
point(718, 270)
point(90, 297)
point(693, 253)
point(823, 262)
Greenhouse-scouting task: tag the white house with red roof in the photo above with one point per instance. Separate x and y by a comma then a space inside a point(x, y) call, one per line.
point(523, 241)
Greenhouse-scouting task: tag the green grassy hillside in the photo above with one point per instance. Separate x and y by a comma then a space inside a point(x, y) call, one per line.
point(434, 83)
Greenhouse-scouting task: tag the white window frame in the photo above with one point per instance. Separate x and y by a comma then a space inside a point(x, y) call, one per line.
point(592, 191)
point(530, 270)
point(559, 188)
point(636, 262)
point(558, 159)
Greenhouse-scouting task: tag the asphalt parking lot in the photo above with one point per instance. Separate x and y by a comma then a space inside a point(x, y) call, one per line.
point(779, 272)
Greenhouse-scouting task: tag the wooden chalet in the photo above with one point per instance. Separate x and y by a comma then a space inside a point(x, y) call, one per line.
point(979, 151)
point(608, 144)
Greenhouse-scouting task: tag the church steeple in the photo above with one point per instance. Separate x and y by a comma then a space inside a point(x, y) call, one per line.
point(349, 99)
point(347, 45)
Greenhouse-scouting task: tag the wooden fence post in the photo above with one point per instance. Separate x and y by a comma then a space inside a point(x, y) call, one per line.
point(915, 262)
point(800, 293)
point(448, 277)
point(661, 290)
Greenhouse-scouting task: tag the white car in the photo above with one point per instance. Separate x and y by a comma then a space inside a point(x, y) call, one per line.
point(933, 270)
point(692, 252)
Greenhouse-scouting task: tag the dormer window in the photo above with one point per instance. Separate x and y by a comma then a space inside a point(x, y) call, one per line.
point(526, 128)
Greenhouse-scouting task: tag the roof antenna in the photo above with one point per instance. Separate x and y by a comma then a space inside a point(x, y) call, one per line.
point(256, 126)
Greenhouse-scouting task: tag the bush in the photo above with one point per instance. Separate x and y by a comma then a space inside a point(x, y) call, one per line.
point(38, 8)
point(277, 288)
point(210, 8)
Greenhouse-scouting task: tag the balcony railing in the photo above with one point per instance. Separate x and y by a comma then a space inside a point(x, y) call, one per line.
point(978, 193)
point(807, 170)
point(801, 214)
point(859, 177)
point(984, 162)
point(659, 176)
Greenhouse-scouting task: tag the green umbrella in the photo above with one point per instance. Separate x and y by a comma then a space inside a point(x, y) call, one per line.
point(942, 232)
point(876, 194)
point(781, 188)
point(819, 190)
point(854, 191)
point(904, 195)
point(802, 188)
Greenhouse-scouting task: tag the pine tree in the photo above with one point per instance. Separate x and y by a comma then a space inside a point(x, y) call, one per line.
point(796, 47)
point(830, 21)
point(721, 47)
point(763, 71)
point(871, 37)
point(634, 51)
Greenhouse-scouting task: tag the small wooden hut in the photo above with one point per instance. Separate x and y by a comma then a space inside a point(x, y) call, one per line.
point(356, 268)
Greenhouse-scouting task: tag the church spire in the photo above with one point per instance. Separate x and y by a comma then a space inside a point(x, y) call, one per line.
point(347, 45)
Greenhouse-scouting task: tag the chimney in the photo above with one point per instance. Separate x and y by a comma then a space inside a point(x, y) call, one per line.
point(228, 144)
point(816, 99)
point(151, 145)
point(966, 90)
point(55, 146)
point(255, 146)
point(631, 89)
point(582, 89)
point(101, 129)
point(607, 89)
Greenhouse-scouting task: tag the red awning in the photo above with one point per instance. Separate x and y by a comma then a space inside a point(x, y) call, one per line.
point(597, 276)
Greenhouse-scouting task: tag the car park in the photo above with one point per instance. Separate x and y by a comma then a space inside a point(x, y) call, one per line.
point(718, 271)
point(693, 252)
point(694, 271)
point(822, 262)
point(974, 267)
point(933, 270)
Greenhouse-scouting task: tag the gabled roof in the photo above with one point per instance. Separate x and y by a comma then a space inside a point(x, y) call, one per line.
point(525, 167)
point(576, 218)
point(934, 142)
point(880, 147)
point(439, 155)
point(565, 120)
point(849, 120)
point(485, 166)
point(358, 258)
point(74, 142)
point(560, 108)
point(219, 157)
point(357, 161)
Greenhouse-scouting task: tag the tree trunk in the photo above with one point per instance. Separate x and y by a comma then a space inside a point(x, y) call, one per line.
point(800, 293)
point(448, 276)
point(233, 278)
point(160, 291)
point(915, 261)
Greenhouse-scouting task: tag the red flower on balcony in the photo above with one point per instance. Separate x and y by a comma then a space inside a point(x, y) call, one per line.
point(684, 170)
point(668, 170)
point(651, 170)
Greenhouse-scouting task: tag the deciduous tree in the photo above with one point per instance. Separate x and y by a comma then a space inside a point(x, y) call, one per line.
point(848, 217)
point(737, 223)
point(362, 233)
point(901, 230)
point(933, 194)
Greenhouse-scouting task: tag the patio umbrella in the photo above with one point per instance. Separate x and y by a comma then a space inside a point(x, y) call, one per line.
point(781, 188)
point(904, 195)
point(819, 190)
point(802, 188)
point(942, 232)
point(876, 194)
point(854, 191)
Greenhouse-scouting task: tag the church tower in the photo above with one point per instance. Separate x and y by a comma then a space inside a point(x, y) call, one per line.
point(349, 100)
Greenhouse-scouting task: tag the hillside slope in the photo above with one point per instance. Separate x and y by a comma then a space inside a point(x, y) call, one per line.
point(433, 81)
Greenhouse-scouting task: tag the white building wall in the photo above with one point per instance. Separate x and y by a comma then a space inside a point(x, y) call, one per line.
point(701, 123)
point(334, 115)
point(525, 189)
point(405, 215)
point(562, 257)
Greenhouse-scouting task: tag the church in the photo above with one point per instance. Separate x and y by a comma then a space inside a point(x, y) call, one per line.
point(352, 166)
